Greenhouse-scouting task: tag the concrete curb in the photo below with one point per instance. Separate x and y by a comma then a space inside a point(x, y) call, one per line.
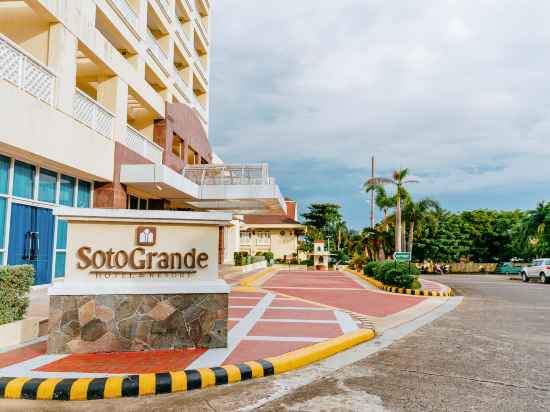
point(250, 280)
point(171, 382)
point(395, 289)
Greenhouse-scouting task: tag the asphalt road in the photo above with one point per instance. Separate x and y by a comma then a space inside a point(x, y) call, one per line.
point(492, 353)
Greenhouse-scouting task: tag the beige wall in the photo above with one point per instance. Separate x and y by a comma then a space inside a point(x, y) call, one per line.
point(281, 246)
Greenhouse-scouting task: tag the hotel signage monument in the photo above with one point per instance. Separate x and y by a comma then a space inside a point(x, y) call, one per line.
point(139, 280)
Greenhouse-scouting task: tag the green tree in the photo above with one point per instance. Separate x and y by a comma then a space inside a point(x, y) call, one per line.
point(324, 220)
point(416, 212)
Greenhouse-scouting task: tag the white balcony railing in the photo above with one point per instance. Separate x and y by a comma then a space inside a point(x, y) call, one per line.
point(155, 49)
point(181, 84)
point(198, 107)
point(24, 71)
point(166, 9)
point(127, 12)
point(92, 114)
point(183, 37)
point(246, 174)
point(143, 146)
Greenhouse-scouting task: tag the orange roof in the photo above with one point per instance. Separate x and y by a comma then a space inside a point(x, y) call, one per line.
point(269, 220)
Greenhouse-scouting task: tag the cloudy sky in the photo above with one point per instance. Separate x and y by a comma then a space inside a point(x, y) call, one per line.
point(456, 90)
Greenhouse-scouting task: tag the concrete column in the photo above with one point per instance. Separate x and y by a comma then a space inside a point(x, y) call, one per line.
point(113, 94)
point(62, 59)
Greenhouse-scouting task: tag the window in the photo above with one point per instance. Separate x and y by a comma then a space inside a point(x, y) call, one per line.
point(47, 186)
point(3, 204)
point(4, 173)
point(137, 203)
point(245, 237)
point(263, 238)
point(60, 249)
point(192, 156)
point(66, 195)
point(84, 194)
point(177, 147)
point(23, 180)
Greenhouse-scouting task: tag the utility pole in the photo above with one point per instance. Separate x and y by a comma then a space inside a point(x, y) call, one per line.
point(372, 195)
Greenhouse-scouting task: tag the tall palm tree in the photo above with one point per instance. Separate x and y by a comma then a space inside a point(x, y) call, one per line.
point(382, 200)
point(416, 212)
point(399, 180)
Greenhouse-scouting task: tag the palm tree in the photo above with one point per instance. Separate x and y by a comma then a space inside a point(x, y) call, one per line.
point(399, 180)
point(382, 200)
point(416, 212)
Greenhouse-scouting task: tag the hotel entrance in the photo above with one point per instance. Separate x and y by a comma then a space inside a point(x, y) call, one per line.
point(31, 240)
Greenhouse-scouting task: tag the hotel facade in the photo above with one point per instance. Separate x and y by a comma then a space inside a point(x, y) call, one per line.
point(105, 104)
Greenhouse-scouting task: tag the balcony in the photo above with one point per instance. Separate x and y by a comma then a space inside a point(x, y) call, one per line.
point(199, 108)
point(183, 37)
point(202, 29)
point(166, 10)
point(156, 51)
point(92, 114)
point(25, 72)
point(181, 85)
point(245, 189)
point(143, 146)
point(127, 13)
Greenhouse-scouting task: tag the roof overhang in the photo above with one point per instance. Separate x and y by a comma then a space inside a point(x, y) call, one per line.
point(160, 181)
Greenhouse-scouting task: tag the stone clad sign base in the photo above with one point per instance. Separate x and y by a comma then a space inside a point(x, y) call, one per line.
point(109, 323)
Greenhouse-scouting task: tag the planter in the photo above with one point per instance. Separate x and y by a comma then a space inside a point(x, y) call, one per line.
point(15, 333)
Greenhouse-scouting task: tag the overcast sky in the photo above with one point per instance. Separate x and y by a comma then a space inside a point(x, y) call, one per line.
point(458, 91)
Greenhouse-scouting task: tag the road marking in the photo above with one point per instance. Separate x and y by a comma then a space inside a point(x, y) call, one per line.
point(297, 321)
point(346, 321)
point(285, 339)
point(215, 357)
point(309, 288)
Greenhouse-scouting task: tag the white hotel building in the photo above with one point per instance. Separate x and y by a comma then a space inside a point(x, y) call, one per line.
point(104, 103)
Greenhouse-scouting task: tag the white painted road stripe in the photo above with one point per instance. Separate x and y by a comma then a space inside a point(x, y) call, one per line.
point(285, 339)
point(296, 308)
point(297, 321)
point(215, 357)
point(346, 321)
point(309, 288)
point(25, 368)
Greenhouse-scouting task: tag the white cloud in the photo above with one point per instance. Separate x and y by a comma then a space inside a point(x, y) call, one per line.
point(455, 90)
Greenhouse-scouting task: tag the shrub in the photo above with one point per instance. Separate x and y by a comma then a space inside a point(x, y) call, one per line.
point(256, 259)
point(15, 285)
point(269, 256)
point(307, 262)
point(259, 253)
point(393, 274)
point(358, 261)
point(238, 258)
point(370, 268)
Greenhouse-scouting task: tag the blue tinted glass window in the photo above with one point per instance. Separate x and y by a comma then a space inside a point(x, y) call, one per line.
point(3, 206)
point(4, 173)
point(84, 194)
point(47, 185)
point(61, 242)
point(143, 204)
point(59, 264)
point(66, 195)
point(134, 202)
point(23, 179)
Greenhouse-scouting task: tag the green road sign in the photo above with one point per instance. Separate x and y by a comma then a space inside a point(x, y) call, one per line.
point(402, 256)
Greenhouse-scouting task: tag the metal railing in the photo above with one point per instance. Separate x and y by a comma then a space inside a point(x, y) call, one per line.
point(181, 84)
point(199, 107)
point(157, 51)
point(127, 12)
point(92, 114)
point(143, 146)
point(25, 72)
point(165, 6)
point(249, 174)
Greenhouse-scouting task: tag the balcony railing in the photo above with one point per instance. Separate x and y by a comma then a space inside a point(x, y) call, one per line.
point(198, 107)
point(202, 29)
point(251, 174)
point(143, 146)
point(92, 114)
point(183, 36)
point(155, 49)
point(181, 84)
point(165, 7)
point(24, 71)
point(127, 12)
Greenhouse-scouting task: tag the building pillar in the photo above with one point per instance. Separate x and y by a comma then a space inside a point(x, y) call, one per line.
point(221, 248)
point(113, 94)
point(62, 59)
point(111, 195)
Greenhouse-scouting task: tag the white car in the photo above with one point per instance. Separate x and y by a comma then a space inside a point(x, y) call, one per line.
point(538, 268)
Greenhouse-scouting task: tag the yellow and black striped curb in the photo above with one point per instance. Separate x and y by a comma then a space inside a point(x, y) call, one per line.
point(394, 289)
point(250, 280)
point(81, 389)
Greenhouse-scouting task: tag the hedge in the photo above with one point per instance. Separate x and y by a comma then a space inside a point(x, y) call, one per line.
point(15, 285)
point(393, 274)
